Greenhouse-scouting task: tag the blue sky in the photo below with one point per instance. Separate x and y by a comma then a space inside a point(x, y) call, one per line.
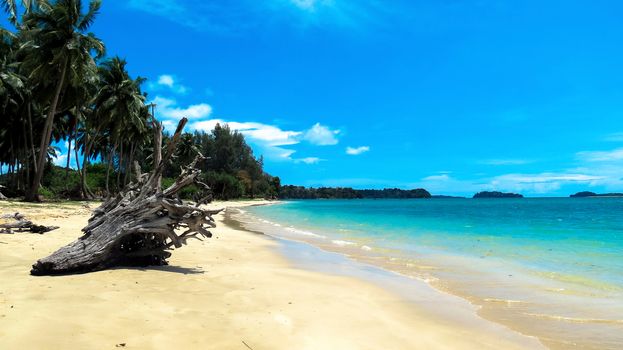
point(453, 96)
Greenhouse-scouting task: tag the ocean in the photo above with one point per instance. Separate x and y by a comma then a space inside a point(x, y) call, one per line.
point(545, 267)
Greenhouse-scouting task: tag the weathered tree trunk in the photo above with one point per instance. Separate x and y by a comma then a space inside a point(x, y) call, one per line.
point(20, 224)
point(137, 227)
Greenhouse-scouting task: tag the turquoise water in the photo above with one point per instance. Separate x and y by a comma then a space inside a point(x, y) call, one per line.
point(551, 267)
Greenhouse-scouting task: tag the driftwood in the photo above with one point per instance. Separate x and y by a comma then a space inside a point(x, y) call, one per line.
point(138, 226)
point(21, 224)
point(2, 197)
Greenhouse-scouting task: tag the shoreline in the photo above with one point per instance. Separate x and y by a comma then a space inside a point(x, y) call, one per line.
point(513, 304)
point(232, 290)
point(409, 288)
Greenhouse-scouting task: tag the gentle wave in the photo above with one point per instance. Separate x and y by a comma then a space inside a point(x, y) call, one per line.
point(504, 301)
point(573, 319)
point(304, 233)
point(342, 243)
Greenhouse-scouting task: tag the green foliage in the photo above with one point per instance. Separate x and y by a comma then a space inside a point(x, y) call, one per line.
point(223, 185)
point(300, 192)
point(46, 193)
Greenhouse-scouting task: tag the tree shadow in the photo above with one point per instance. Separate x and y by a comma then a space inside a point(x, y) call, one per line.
point(165, 268)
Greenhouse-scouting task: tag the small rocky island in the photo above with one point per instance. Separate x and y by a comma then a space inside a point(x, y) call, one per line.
point(585, 194)
point(497, 194)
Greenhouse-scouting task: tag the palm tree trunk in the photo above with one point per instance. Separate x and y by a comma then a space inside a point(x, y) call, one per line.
point(26, 162)
point(85, 159)
point(128, 166)
point(71, 134)
point(32, 140)
point(76, 156)
point(120, 163)
point(158, 152)
point(33, 194)
point(110, 156)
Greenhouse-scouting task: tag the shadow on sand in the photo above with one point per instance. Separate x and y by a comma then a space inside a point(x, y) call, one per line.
point(165, 268)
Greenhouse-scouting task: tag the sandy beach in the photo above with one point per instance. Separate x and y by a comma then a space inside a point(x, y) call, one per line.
point(233, 291)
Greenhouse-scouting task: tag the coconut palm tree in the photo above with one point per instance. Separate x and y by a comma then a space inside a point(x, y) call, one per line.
point(57, 52)
point(10, 7)
point(120, 104)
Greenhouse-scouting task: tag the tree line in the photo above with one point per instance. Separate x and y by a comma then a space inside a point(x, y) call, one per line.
point(57, 85)
point(300, 192)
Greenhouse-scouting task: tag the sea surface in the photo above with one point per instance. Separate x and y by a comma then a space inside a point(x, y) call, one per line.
point(545, 267)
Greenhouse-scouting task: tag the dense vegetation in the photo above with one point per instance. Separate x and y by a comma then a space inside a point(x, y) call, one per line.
point(299, 192)
point(56, 85)
point(496, 194)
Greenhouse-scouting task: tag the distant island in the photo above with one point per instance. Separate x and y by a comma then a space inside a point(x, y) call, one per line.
point(300, 192)
point(584, 194)
point(496, 194)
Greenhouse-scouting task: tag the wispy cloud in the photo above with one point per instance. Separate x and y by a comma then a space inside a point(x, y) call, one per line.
point(308, 160)
point(614, 137)
point(601, 156)
point(353, 151)
point(540, 183)
point(440, 177)
point(235, 16)
point(309, 5)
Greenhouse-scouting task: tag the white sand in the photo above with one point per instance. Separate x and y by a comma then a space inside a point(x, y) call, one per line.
point(215, 294)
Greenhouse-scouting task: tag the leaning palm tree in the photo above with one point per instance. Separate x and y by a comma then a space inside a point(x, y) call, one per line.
point(57, 52)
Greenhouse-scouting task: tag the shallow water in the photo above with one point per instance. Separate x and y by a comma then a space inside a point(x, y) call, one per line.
point(550, 267)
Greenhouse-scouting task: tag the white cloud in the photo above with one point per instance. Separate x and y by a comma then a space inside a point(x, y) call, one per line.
point(440, 177)
point(308, 160)
point(601, 156)
point(60, 160)
point(269, 138)
point(540, 183)
point(168, 108)
point(353, 151)
point(168, 82)
point(321, 135)
point(268, 135)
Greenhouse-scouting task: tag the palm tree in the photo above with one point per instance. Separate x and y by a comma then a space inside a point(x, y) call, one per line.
point(120, 103)
point(57, 52)
point(10, 7)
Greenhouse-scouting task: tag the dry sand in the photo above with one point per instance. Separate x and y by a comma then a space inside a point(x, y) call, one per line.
point(233, 291)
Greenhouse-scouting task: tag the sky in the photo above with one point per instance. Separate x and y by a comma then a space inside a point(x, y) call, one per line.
point(449, 95)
